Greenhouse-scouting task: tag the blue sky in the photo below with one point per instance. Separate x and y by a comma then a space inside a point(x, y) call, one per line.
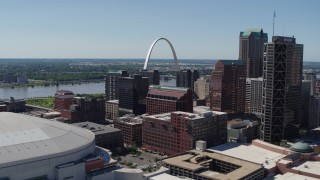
point(203, 29)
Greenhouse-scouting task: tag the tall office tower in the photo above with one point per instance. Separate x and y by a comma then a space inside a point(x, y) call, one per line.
point(154, 76)
point(201, 88)
point(254, 95)
point(162, 99)
point(227, 92)
point(312, 77)
point(132, 95)
point(314, 113)
point(112, 84)
point(305, 103)
point(186, 78)
point(251, 43)
point(281, 92)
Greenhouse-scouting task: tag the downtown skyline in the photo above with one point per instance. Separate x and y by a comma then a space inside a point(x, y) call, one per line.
point(125, 29)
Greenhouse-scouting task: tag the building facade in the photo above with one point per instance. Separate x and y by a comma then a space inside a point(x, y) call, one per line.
point(154, 76)
point(105, 136)
point(201, 88)
point(112, 109)
point(281, 94)
point(251, 44)
point(176, 132)
point(131, 127)
point(85, 109)
point(63, 99)
point(305, 103)
point(186, 78)
point(132, 95)
point(162, 99)
point(112, 84)
point(254, 95)
point(227, 92)
point(314, 112)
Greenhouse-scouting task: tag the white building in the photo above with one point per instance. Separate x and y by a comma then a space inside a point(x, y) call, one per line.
point(201, 88)
point(254, 95)
point(35, 148)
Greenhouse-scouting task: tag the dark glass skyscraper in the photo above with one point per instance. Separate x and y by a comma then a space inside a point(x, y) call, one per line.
point(251, 43)
point(153, 75)
point(186, 78)
point(227, 91)
point(281, 94)
point(132, 94)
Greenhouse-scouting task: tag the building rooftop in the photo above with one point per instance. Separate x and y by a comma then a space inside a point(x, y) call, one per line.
point(165, 176)
point(302, 147)
point(232, 62)
point(176, 92)
point(198, 163)
point(130, 119)
point(311, 167)
point(23, 138)
point(290, 176)
point(113, 101)
point(250, 153)
point(191, 116)
point(256, 32)
point(97, 129)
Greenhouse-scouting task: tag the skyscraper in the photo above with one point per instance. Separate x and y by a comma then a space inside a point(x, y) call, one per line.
point(254, 95)
point(227, 91)
point(132, 95)
point(251, 43)
point(112, 84)
point(186, 78)
point(305, 103)
point(281, 94)
point(154, 76)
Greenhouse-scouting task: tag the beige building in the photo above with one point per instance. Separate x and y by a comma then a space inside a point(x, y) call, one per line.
point(112, 108)
point(211, 165)
point(201, 88)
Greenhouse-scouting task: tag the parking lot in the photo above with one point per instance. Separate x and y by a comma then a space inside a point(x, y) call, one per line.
point(144, 160)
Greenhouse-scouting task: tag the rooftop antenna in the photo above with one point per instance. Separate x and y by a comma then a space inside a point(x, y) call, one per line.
point(274, 17)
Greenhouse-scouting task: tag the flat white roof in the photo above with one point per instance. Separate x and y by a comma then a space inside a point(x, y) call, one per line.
point(249, 153)
point(292, 176)
point(312, 167)
point(165, 176)
point(26, 138)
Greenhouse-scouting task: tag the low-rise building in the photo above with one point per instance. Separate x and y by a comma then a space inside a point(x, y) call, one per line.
point(12, 105)
point(177, 132)
point(63, 100)
point(163, 99)
point(131, 127)
point(112, 109)
point(85, 109)
point(212, 165)
point(242, 131)
point(106, 136)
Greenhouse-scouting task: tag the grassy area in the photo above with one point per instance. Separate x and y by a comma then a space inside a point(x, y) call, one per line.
point(42, 102)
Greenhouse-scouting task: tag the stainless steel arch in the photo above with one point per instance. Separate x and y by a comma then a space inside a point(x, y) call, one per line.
point(172, 49)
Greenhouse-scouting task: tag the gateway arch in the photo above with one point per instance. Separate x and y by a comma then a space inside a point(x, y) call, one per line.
point(176, 65)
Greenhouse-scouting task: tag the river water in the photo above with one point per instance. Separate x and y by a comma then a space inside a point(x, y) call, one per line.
point(42, 91)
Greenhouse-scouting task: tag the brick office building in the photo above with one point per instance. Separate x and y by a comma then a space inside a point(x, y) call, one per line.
point(176, 132)
point(162, 99)
point(85, 109)
point(63, 99)
point(131, 127)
